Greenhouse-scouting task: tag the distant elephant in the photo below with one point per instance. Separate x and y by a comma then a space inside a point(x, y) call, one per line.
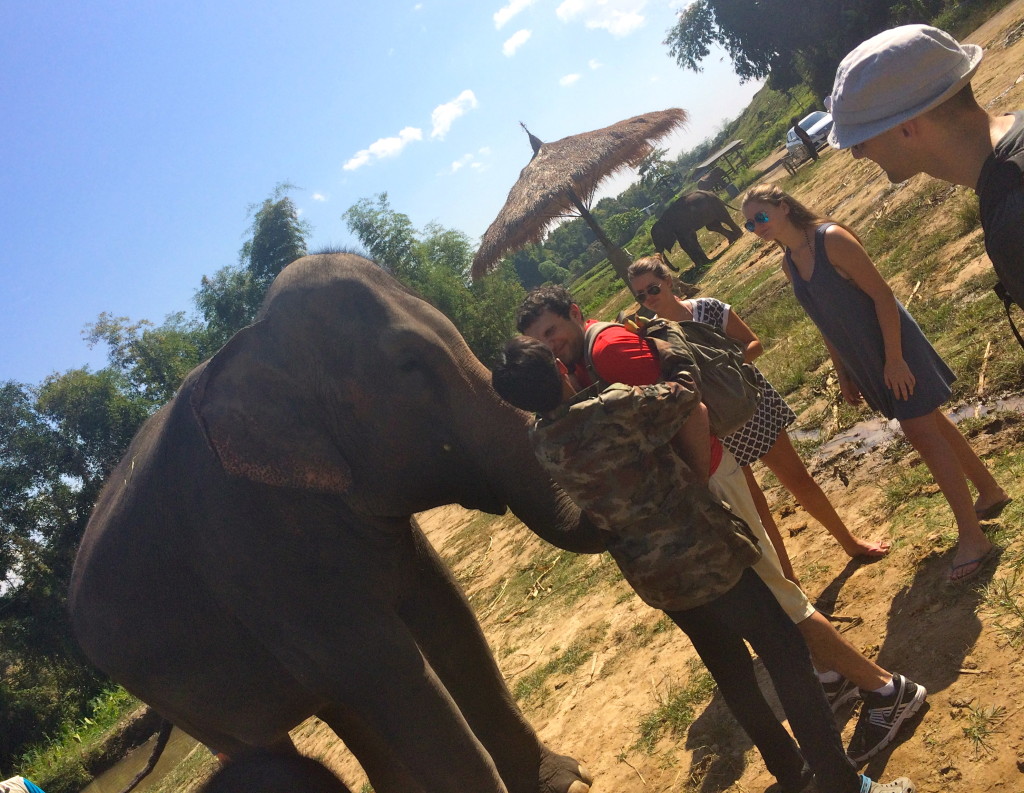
point(252, 560)
point(679, 223)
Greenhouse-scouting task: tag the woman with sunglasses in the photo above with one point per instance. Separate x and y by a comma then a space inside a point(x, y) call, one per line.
point(880, 356)
point(764, 437)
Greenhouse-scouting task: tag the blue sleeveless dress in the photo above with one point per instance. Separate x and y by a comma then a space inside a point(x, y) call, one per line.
point(845, 315)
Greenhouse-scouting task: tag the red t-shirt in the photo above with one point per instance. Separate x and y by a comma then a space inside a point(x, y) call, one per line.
point(621, 356)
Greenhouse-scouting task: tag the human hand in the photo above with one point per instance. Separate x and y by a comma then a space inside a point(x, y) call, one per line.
point(899, 379)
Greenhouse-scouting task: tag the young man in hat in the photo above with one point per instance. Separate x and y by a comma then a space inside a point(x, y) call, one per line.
point(903, 98)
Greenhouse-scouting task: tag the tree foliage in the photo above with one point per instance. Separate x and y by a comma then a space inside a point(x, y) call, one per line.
point(278, 237)
point(763, 40)
point(59, 441)
point(435, 263)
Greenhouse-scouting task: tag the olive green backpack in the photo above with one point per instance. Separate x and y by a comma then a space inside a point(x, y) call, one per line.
point(727, 384)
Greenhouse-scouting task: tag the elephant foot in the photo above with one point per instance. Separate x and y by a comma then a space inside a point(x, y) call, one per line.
point(561, 774)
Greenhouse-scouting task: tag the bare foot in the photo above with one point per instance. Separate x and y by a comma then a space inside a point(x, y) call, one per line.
point(992, 508)
point(866, 549)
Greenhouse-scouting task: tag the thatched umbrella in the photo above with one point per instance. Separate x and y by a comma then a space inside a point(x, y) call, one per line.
point(563, 176)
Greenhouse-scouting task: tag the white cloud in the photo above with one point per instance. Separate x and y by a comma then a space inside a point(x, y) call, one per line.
point(569, 79)
point(570, 8)
point(417, 7)
point(594, 63)
point(517, 40)
point(465, 159)
point(503, 15)
point(618, 17)
point(385, 147)
point(444, 115)
point(319, 197)
point(485, 150)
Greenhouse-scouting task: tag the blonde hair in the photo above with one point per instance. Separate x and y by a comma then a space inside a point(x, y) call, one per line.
point(799, 214)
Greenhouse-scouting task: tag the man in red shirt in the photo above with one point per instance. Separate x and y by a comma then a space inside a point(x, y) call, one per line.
point(549, 314)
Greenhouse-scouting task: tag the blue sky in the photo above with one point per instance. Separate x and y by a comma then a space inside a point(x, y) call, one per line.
point(136, 134)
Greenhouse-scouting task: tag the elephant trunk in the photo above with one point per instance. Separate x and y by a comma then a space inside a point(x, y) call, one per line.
point(527, 489)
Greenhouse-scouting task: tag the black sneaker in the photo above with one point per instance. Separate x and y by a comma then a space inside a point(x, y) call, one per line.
point(839, 692)
point(881, 717)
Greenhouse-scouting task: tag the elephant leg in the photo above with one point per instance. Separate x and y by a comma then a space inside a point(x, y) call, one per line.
point(384, 768)
point(720, 228)
point(688, 242)
point(451, 638)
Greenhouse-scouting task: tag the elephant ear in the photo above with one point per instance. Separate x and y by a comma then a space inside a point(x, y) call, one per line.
point(260, 419)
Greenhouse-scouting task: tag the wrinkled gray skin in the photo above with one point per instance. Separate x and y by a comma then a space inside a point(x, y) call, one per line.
point(684, 216)
point(252, 560)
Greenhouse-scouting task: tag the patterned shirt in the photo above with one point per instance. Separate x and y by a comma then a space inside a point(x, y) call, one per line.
point(609, 450)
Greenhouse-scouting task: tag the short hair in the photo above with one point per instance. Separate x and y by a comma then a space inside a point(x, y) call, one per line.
point(528, 376)
point(550, 297)
point(655, 265)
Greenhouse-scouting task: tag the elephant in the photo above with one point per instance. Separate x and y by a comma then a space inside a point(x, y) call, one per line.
point(269, 773)
point(253, 561)
point(679, 223)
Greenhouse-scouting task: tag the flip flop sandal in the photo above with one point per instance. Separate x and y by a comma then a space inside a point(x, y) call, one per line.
point(981, 561)
point(990, 512)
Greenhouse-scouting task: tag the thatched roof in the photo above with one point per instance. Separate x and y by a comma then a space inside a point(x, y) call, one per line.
point(567, 168)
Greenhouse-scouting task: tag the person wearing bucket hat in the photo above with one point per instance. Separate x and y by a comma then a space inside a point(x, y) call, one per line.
point(903, 98)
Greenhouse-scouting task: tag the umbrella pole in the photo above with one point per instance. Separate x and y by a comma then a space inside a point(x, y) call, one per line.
point(619, 258)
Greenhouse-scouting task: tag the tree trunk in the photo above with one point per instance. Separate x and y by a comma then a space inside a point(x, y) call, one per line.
point(619, 258)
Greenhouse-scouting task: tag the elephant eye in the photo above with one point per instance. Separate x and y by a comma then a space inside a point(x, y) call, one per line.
point(407, 365)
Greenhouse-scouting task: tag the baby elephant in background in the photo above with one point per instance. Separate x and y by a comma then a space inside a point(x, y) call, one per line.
point(679, 223)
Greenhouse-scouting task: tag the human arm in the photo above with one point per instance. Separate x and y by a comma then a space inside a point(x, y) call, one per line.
point(853, 263)
point(738, 330)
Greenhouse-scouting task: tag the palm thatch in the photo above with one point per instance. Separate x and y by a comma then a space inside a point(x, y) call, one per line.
point(563, 175)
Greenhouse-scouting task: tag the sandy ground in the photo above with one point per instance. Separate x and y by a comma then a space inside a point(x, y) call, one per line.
point(898, 611)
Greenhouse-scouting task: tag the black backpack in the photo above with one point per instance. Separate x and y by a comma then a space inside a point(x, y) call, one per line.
point(727, 384)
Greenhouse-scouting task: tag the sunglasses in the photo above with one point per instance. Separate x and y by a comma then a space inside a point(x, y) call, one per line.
point(760, 217)
point(652, 290)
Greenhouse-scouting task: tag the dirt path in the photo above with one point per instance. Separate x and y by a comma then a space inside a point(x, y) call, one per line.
point(969, 739)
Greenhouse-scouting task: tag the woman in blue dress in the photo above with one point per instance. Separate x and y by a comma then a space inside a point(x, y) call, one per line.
point(880, 356)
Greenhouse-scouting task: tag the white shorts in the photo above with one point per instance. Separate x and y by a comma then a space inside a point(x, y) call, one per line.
point(730, 485)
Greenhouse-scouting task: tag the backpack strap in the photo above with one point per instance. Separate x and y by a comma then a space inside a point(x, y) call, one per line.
point(1008, 301)
point(590, 335)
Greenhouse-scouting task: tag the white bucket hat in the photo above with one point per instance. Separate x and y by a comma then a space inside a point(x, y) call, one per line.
point(895, 76)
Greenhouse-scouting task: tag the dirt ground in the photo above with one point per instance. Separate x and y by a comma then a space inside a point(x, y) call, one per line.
point(970, 736)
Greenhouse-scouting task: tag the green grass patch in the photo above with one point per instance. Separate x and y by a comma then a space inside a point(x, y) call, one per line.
point(68, 761)
point(676, 710)
point(532, 688)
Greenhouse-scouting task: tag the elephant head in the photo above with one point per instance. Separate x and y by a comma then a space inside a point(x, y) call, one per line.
point(350, 385)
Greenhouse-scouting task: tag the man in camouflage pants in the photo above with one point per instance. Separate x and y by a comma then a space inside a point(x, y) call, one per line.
point(682, 551)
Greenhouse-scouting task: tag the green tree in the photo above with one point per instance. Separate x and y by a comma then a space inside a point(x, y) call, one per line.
point(435, 263)
point(388, 236)
point(153, 360)
point(278, 237)
point(59, 442)
point(553, 273)
point(763, 42)
point(230, 299)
